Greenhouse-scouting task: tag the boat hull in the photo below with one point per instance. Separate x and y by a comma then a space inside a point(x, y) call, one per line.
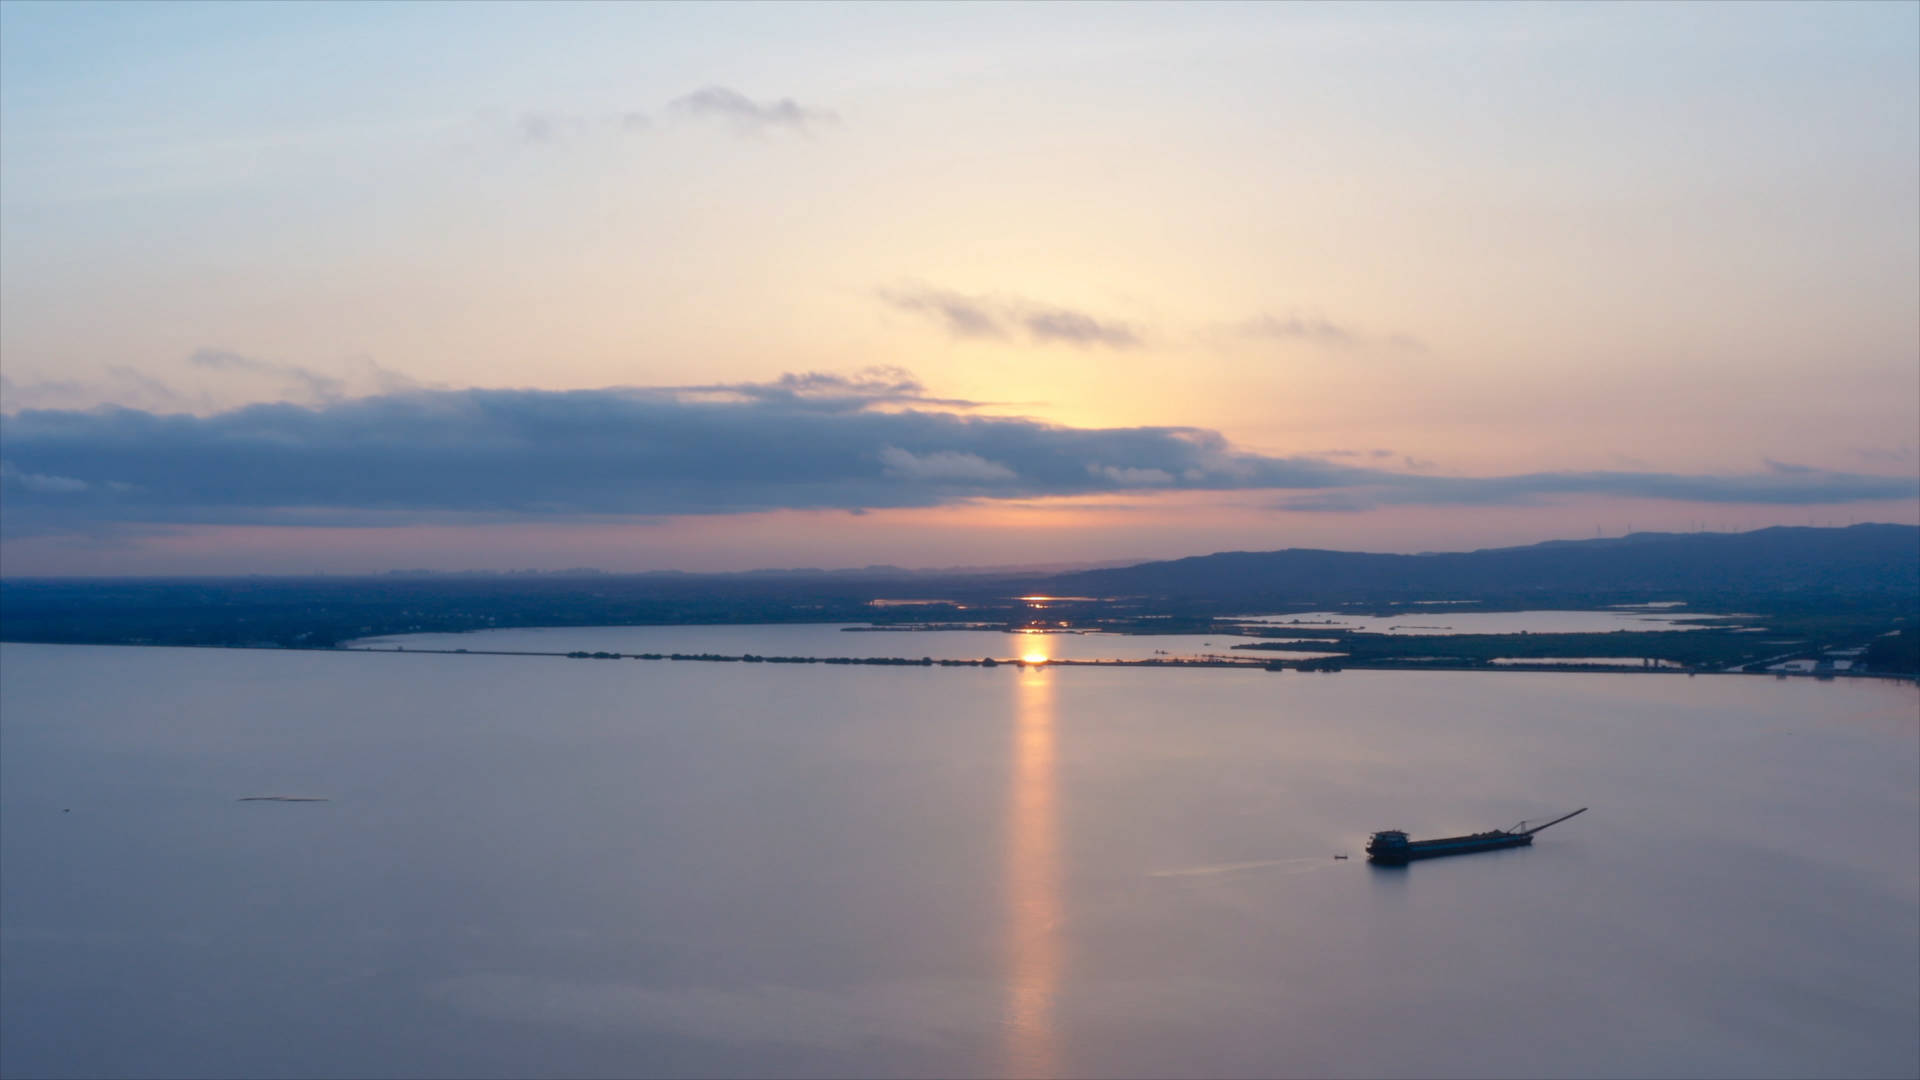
point(1455, 845)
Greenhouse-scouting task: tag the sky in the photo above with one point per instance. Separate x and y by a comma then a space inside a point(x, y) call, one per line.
point(292, 288)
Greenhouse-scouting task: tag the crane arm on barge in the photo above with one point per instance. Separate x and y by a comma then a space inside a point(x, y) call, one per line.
point(1518, 831)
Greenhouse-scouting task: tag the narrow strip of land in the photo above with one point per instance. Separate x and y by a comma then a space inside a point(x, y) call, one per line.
point(1320, 664)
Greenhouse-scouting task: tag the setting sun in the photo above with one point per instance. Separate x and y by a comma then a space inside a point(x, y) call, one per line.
point(1034, 658)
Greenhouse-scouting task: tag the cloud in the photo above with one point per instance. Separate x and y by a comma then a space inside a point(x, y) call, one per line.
point(1785, 468)
point(1075, 328)
point(316, 386)
point(207, 381)
point(122, 385)
point(525, 454)
point(548, 127)
point(749, 117)
point(1329, 502)
point(974, 317)
point(961, 316)
point(805, 441)
point(40, 482)
point(1132, 477)
point(1898, 455)
point(1316, 330)
point(388, 381)
point(1795, 486)
point(538, 127)
point(943, 465)
point(829, 392)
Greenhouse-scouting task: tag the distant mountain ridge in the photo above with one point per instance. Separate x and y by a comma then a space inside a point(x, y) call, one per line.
point(1859, 559)
point(1812, 572)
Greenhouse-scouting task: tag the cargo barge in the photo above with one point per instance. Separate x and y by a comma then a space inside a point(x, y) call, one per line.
point(1392, 847)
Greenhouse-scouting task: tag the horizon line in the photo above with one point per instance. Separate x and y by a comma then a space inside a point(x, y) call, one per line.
point(888, 569)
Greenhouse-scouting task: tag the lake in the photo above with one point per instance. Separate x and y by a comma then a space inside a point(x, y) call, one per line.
point(866, 640)
point(532, 866)
point(830, 639)
point(1441, 622)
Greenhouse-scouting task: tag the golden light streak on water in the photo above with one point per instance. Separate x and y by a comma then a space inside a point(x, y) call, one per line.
point(1034, 649)
point(1033, 884)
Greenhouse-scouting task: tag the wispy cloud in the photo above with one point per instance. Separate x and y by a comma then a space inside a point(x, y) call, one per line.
point(552, 127)
point(974, 317)
point(814, 440)
point(1075, 328)
point(206, 381)
point(40, 482)
point(539, 127)
point(961, 316)
point(944, 465)
point(1296, 328)
point(818, 390)
point(121, 385)
point(741, 114)
point(315, 385)
point(749, 117)
point(1774, 487)
point(1883, 455)
point(1319, 331)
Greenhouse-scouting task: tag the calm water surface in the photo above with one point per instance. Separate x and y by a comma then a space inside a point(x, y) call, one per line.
point(825, 639)
point(819, 639)
point(542, 867)
point(1440, 621)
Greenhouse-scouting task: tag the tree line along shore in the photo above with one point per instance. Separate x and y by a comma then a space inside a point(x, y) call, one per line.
point(1862, 664)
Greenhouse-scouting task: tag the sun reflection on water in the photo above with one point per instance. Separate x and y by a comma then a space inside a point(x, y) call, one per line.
point(1033, 883)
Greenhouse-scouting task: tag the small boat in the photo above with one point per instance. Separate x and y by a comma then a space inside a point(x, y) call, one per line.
point(1391, 846)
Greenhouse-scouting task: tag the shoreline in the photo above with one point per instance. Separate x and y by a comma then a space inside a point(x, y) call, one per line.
point(1271, 666)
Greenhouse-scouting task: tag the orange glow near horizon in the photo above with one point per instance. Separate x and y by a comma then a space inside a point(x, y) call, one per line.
point(1033, 910)
point(1059, 534)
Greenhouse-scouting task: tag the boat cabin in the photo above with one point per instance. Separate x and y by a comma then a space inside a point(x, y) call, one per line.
point(1387, 842)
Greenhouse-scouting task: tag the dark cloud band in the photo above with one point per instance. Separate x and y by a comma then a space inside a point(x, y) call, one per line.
point(804, 442)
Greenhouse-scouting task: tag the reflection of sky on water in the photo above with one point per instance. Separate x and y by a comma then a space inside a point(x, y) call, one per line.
point(544, 868)
point(1589, 661)
point(823, 639)
point(1482, 622)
